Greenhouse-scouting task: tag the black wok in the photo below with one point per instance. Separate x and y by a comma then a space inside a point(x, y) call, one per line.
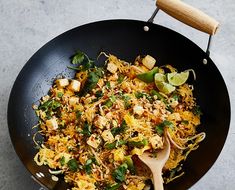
point(126, 39)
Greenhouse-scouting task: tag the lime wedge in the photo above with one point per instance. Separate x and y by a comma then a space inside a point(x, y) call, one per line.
point(148, 76)
point(165, 87)
point(177, 79)
point(159, 77)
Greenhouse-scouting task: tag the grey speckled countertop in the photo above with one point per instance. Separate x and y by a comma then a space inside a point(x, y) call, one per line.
point(25, 25)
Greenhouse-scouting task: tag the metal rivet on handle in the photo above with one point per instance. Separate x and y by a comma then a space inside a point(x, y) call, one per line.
point(204, 61)
point(146, 28)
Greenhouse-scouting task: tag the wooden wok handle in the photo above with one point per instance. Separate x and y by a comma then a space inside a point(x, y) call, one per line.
point(189, 15)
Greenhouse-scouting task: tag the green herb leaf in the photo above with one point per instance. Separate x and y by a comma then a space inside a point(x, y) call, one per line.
point(49, 105)
point(118, 130)
point(92, 80)
point(73, 165)
point(115, 144)
point(108, 85)
point(120, 78)
point(78, 58)
point(139, 95)
point(62, 161)
point(88, 166)
point(127, 102)
point(120, 172)
point(113, 187)
point(109, 103)
point(55, 105)
point(86, 129)
point(99, 94)
point(78, 114)
point(175, 96)
point(160, 128)
point(197, 110)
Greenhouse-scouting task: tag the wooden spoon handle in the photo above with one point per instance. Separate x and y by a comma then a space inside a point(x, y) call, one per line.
point(157, 181)
point(189, 15)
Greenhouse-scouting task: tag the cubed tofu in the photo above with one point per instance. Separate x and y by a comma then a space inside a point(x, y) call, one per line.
point(100, 122)
point(73, 101)
point(107, 136)
point(61, 83)
point(52, 124)
point(75, 85)
point(139, 110)
point(156, 142)
point(148, 61)
point(111, 67)
point(93, 141)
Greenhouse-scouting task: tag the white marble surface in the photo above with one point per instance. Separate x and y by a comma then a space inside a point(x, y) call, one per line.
point(25, 25)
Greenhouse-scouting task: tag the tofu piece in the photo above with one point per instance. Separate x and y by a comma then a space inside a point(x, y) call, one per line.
point(139, 110)
point(107, 136)
point(156, 142)
point(75, 85)
point(111, 67)
point(61, 83)
point(93, 141)
point(100, 122)
point(148, 61)
point(52, 124)
point(73, 101)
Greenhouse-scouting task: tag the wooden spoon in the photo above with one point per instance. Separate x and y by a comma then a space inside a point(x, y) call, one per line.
point(156, 164)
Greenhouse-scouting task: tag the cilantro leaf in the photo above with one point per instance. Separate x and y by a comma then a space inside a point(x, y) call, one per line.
point(197, 110)
point(117, 130)
point(120, 78)
point(92, 80)
point(113, 187)
point(62, 161)
point(88, 166)
point(120, 172)
point(160, 128)
point(86, 129)
point(73, 165)
point(78, 58)
point(115, 144)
